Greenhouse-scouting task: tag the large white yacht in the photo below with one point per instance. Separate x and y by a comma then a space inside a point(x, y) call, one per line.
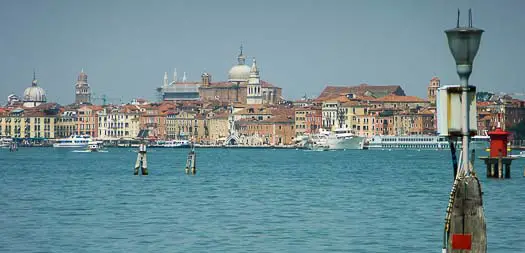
point(73, 141)
point(340, 138)
point(422, 142)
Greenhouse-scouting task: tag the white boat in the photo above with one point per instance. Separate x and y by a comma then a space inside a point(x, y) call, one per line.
point(172, 144)
point(520, 155)
point(5, 141)
point(341, 138)
point(422, 142)
point(73, 141)
point(93, 146)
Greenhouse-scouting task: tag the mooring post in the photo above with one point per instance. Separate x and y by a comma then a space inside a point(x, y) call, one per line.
point(191, 166)
point(507, 170)
point(492, 169)
point(142, 161)
point(500, 165)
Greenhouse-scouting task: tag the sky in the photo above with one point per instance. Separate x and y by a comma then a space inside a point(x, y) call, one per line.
point(125, 46)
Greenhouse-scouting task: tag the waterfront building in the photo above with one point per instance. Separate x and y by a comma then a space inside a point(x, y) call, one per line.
point(82, 89)
point(187, 125)
point(66, 123)
point(432, 90)
point(307, 120)
point(314, 120)
point(278, 130)
point(34, 95)
point(119, 123)
point(87, 120)
point(153, 119)
point(218, 126)
point(31, 124)
point(330, 111)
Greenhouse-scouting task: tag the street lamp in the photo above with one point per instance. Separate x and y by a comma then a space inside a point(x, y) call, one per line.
point(464, 44)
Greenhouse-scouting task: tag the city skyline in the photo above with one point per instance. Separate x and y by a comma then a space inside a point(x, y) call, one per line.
point(125, 47)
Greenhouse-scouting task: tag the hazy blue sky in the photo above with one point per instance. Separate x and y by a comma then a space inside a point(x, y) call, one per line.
point(126, 46)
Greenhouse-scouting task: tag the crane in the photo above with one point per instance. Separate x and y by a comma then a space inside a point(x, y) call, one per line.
point(104, 98)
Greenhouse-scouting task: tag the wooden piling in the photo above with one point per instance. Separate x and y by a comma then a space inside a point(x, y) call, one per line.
point(142, 161)
point(500, 166)
point(492, 170)
point(507, 170)
point(467, 215)
point(191, 162)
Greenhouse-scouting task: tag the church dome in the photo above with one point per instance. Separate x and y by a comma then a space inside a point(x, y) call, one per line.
point(34, 93)
point(239, 73)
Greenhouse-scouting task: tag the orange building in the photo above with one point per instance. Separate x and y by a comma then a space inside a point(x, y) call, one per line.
point(87, 119)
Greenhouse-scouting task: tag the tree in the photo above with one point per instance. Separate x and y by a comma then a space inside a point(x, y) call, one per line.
point(518, 130)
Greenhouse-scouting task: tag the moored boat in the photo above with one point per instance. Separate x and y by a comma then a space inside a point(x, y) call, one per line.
point(338, 139)
point(172, 144)
point(422, 142)
point(73, 141)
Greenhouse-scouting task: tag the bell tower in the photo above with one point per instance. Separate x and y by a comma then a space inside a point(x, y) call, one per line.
point(433, 89)
point(82, 89)
point(253, 89)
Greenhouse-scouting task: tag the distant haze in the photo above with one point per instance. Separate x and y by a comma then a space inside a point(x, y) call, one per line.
point(125, 46)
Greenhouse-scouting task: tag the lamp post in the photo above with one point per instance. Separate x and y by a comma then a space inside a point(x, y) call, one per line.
point(465, 220)
point(464, 43)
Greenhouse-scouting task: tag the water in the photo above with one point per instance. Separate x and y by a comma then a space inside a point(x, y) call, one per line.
point(242, 201)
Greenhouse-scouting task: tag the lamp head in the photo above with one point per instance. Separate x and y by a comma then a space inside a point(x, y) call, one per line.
point(464, 41)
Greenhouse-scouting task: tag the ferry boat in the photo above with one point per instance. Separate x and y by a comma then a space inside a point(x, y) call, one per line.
point(5, 141)
point(172, 144)
point(423, 142)
point(73, 141)
point(341, 138)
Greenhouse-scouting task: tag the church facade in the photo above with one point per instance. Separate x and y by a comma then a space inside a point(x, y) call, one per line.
point(243, 86)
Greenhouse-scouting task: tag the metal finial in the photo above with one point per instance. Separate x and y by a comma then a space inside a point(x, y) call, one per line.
point(469, 17)
point(34, 74)
point(457, 25)
point(241, 48)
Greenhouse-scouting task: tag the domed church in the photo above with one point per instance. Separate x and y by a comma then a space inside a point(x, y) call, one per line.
point(34, 95)
point(243, 86)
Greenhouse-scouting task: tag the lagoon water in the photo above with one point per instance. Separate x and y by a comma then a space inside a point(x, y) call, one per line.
point(242, 201)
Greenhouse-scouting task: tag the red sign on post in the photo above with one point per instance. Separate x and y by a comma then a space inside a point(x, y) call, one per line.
point(462, 241)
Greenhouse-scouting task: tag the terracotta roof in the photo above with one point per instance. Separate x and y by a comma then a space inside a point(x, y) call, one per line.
point(360, 90)
point(396, 98)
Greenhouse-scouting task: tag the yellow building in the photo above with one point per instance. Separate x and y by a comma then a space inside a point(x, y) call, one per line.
point(218, 126)
point(66, 124)
point(187, 124)
point(28, 124)
point(119, 123)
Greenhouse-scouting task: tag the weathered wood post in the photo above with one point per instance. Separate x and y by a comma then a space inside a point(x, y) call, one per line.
point(142, 161)
point(467, 220)
point(500, 165)
point(191, 161)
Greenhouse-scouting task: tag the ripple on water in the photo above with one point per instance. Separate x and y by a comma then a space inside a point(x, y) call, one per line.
point(241, 200)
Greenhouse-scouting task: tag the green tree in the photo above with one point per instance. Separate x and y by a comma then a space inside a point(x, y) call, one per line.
point(518, 130)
